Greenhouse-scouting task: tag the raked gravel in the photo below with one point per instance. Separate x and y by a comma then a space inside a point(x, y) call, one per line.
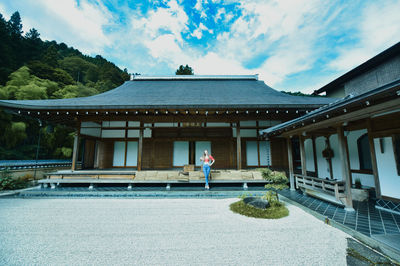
point(69, 231)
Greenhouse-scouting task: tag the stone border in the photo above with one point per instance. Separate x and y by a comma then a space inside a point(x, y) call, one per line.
point(16, 192)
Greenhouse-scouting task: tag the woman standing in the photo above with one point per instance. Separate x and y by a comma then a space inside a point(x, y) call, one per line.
point(207, 160)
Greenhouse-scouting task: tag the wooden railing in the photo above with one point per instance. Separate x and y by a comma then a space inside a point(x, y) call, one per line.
point(331, 187)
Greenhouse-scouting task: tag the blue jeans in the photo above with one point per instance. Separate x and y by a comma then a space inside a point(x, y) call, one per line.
point(206, 170)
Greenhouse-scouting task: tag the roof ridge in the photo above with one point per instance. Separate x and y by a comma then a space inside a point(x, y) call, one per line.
point(196, 77)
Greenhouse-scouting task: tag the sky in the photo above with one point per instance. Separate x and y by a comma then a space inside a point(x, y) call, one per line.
point(294, 45)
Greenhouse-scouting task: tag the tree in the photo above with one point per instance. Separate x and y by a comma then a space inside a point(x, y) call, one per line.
point(15, 24)
point(184, 70)
point(50, 57)
point(277, 181)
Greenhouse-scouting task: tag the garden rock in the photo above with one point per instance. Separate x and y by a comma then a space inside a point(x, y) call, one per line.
point(256, 202)
point(249, 199)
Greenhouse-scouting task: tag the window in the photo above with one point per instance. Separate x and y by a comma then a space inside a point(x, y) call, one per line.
point(364, 154)
point(396, 149)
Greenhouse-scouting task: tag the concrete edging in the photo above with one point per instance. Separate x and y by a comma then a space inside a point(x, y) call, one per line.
point(16, 192)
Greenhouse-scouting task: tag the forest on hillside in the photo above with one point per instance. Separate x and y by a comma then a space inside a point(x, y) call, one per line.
point(31, 68)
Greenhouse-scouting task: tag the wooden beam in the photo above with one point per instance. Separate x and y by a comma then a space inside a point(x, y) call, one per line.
point(238, 147)
point(290, 159)
point(140, 148)
point(346, 174)
point(303, 156)
point(75, 150)
point(373, 159)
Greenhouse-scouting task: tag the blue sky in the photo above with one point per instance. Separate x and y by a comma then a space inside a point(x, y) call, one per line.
point(292, 45)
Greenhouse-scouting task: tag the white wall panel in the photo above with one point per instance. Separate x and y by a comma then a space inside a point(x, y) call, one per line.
point(366, 180)
point(251, 153)
point(352, 138)
point(181, 153)
point(91, 131)
point(113, 133)
point(248, 133)
point(309, 155)
point(212, 124)
point(387, 171)
point(336, 161)
point(119, 153)
point(114, 124)
point(90, 124)
point(133, 124)
point(131, 153)
point(133, 133)
point(248, 123)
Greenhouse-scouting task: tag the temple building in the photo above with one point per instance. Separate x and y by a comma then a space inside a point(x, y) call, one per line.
point(350, 149)
point(166, 122)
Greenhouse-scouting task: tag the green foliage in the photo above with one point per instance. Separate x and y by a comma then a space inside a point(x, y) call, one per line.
point(277, 181)
point(73, 91)
point(275, 211)
point(8, 183)
point(34, 69)
point(298, 93)
point(184, 70)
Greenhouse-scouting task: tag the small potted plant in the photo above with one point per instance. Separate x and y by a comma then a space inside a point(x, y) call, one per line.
point(357, 192)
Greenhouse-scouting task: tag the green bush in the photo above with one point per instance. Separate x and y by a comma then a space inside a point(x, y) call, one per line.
point(277, 181)
point(275, 211)
point(8, 183)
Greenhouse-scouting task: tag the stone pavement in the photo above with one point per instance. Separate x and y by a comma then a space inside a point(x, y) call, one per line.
point(109, 231)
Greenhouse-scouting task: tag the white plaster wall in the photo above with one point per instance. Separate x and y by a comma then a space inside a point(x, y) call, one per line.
point(119, 153)
point(181, 153)
point(115, 133)
point(212, 124)
point(309, 155)
point(132, 152)
point(133, 133)
point(336, 161)
point(251, 153)
point(387, 171)
point(366, 179)
point(91, 131)
point(353, 149)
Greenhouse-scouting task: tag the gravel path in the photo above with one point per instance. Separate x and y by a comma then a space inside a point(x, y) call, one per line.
point(159, 232)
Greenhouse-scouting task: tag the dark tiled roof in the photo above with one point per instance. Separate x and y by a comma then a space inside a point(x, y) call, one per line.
point(191, 93)
point(387, 92)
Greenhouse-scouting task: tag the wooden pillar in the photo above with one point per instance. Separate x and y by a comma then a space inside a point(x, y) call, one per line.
point(303, 156)
point(290, 160)
point(75, 151)
point(346, 174)
point(373, 159)
point(238, 147)
point(140, 148)
point(314, 147)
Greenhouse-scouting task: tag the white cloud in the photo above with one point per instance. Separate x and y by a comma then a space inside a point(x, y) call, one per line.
point(377, 30)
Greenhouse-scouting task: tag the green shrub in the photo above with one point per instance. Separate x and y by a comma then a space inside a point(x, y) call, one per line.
point(277, 181)
point(275, 211)
point(8, 183)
